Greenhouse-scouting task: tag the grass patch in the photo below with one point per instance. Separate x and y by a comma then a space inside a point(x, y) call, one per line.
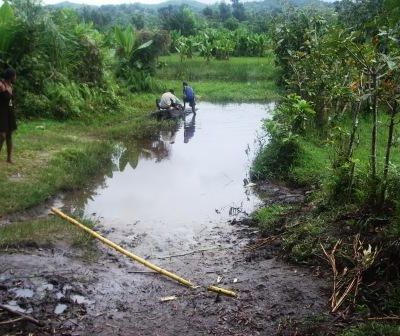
point(238, 69)
point(373, 329)
point(31, 180)
point(310, 163)
point(240, 79)
point(267, 218)
point(52, 156)
point(224, 91)
point(44, 232)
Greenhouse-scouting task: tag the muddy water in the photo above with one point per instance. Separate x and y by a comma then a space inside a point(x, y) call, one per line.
point(164, 192)
point(164, 198)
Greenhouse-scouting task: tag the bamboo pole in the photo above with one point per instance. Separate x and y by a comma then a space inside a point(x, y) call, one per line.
point(139, 259)
point(220, 290)
point(122, 250)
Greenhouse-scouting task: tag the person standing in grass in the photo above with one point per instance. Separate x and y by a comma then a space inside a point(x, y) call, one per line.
point(189, 97)
point(8, 122)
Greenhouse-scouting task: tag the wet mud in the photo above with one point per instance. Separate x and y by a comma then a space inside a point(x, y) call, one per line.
point(180, 201)
point(115, 296)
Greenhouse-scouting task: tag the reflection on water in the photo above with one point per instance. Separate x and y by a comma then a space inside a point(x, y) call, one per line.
point(185, 180)
point(189, 127)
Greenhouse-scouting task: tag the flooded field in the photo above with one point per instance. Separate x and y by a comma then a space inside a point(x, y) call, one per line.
point(173, 200)
point(185, 181)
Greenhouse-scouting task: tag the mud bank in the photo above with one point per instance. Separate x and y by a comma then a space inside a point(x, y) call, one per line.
point(114, 296)
point(177, 200)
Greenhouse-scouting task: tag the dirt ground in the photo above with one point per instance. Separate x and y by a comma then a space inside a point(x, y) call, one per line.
point(116, 296)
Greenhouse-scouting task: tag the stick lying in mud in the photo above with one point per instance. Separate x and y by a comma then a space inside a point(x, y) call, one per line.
point(22, 316)
point(139, 259)
point(123, 251)
point(220, 290)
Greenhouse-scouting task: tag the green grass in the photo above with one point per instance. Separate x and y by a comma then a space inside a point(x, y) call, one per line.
point(220, 91)
point(240, 69)
point(267, 217)
point(52, 156)
point(240, 79)
point(44, 232)
point(373, 329)
point(313, 165)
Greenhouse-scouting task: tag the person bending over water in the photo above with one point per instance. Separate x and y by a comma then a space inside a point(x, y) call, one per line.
point(8, 123)
point(169, 101)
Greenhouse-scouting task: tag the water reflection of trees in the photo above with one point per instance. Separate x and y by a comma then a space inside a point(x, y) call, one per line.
point(157, 149)
point(130, 153)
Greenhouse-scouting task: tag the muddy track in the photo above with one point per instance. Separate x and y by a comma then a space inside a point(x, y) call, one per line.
point(114, 296)
point(162, 198)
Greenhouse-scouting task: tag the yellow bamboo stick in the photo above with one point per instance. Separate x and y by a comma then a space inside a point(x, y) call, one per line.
point(220, 290)
point(123, 251)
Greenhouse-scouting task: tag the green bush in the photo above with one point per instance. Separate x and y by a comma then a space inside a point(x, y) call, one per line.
point(373, 329)
point(267, 218)
point(276, 159)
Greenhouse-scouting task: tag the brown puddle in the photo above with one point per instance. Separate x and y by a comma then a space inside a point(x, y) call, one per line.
point(167, 191)
point(169, 199)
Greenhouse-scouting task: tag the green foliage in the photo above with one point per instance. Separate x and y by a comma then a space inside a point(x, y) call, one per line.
point(276, 160)
point(125, 39)
point(231, 24)
point(221, 44)
point(282, 153)
point(222, 81)
point(238, 10)
point(44, 232)
point(267, 218)
point(8, 27)
point(182, 20)
point(291, 118)
point(247, 71)
point(373, 329)
point(301, 243)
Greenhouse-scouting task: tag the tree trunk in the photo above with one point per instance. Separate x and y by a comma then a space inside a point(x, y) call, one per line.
point(374, 110)
point(356, 112)
point(393, 113)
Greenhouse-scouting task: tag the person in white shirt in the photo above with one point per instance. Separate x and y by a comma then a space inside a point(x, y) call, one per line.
point(169, 101)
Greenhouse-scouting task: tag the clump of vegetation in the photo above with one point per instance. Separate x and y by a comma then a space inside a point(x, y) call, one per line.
point(373, 329)
point(269, 218)
point(44, 232)
point(335, 133)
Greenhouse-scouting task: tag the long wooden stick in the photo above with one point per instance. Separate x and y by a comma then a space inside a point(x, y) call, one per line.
point(23, 316)
point(137, 258)
point(220, 290)
point(122, 250)
point(12, 321)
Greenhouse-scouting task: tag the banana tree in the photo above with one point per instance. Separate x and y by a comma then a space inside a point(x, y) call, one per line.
point(126, 40)
point(186, 46)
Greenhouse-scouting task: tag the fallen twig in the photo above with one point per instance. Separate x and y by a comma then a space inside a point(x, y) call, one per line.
point(12, 321)
point(384, 318)
point(347, 282)
point(41, 275)
point(192, 252)
point(23, 316)
point(261, 243)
